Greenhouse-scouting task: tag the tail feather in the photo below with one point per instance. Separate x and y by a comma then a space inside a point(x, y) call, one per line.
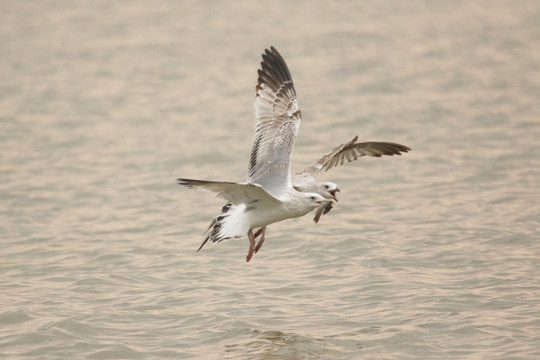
point(224, 226)
point(212, 224)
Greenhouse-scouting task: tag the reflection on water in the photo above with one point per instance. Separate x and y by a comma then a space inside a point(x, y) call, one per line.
point(275, 344)
point(429, 255)
point(279, 345)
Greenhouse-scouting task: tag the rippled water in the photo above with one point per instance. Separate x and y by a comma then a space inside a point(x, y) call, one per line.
point(434, 254)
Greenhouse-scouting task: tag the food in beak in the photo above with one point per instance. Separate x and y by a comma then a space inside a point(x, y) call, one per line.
point(324, 208)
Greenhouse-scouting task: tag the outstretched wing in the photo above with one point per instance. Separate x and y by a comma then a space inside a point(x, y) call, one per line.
point(351, 151)
point(236, 193)
point(277, 122)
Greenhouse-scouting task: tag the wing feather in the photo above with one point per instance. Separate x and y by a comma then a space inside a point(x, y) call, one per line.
point(351, 151)
point(276, 125)
point(236, 193)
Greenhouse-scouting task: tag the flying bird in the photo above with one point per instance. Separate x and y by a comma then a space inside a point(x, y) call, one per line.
point(268, 195)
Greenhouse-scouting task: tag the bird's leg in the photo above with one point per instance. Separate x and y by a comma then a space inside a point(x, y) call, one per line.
point(259, 232)
point(259, 244)
point(251, 245)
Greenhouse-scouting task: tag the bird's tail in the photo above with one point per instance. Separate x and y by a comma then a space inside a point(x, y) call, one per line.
point(229, 224)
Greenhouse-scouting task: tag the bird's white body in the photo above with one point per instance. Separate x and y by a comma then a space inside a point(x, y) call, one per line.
point(251, 206)
point(237, 220)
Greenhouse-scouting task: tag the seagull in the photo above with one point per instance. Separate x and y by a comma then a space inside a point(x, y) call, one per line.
point(305, 180)
point(268, 195)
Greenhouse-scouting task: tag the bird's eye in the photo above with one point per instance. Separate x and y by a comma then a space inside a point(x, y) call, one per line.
point(326, 187)
point(313, 198)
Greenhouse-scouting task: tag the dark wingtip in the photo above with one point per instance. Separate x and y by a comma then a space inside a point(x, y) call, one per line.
point(402, 149)
point(399, 149)
point(274, 70)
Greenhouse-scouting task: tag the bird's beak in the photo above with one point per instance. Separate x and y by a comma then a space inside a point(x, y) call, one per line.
point(319, 202)
point(333, 193)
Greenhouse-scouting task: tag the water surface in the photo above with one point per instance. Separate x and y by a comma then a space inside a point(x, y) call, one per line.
point(431, 255)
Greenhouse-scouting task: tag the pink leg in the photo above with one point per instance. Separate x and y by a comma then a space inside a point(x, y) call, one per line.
point(259, 232)
point(251, 245)
point(259, 244)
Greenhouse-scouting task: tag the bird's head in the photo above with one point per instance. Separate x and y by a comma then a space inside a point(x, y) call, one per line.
point(312, 199)
point(329, 190)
